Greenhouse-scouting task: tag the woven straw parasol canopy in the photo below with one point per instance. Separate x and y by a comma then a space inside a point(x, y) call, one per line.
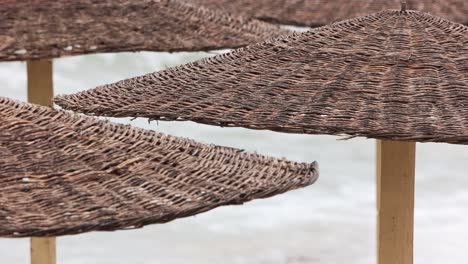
point(64, 174)
point(38, 29)
point(322, 12)
point(390, 75)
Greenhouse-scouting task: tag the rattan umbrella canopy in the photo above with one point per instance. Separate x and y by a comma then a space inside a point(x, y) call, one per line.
point(322, 12)
point(390, 75)
point(63, 174)
point(37, 29)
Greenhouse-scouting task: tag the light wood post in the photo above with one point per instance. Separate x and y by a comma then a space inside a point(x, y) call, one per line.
point(40, 91)
point(40, 82)
point(395, 201)
point(43, 250)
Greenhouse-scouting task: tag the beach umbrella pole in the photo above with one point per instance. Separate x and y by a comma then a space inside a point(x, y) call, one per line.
point(43, 250)
point(395, 201)
point(40, 82)
point(40, 91)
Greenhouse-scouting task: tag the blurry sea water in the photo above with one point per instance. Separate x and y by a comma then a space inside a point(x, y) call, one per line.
point(332, 221)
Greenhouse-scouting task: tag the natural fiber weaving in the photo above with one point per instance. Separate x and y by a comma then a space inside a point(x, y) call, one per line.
point(64, 174)
point(36, 29)
point(322, 12)
point(391, 75)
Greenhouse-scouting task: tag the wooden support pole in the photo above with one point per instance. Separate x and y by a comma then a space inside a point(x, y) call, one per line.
point(395, 201)
point(40, 82)
point(40, 91)
point(43, 250)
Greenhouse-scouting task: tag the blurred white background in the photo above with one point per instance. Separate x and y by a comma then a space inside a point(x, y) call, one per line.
point(332, 221)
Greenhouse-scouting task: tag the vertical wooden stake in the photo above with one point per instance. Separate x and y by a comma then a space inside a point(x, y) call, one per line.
point(395, 201)
point(43, 250)
point(40, 82)
point(40, 91)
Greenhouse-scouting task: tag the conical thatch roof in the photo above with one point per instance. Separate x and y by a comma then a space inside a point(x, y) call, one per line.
point(390, 75)
point(63, 174)
point(37, 29)
point(322, 12)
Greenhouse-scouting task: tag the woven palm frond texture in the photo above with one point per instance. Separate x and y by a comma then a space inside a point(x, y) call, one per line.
point(390, 75)
point(35, 29)
point(63, 174)
point(321, 12)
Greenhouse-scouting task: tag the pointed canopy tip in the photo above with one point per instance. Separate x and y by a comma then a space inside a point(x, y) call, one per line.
point(386, 76)
point(322, 12)
point(41, 29)
point(63, 174)
point(403, 5)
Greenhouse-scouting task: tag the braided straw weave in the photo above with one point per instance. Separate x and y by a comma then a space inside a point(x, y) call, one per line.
point(35, 29)
point(64, 174)
point(390, 75)
point(322, 12)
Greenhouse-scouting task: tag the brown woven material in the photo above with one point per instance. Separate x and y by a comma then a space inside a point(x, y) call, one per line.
point(35, 29)
point(322, 12)
point(391, 75)
point(64, 174)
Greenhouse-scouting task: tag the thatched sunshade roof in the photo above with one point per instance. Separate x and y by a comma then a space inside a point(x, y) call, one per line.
point(49, 28)
point(63, 174)
point(322, 12)
point(390, 75)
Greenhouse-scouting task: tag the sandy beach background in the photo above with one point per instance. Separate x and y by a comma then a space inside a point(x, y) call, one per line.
point(332, 221)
